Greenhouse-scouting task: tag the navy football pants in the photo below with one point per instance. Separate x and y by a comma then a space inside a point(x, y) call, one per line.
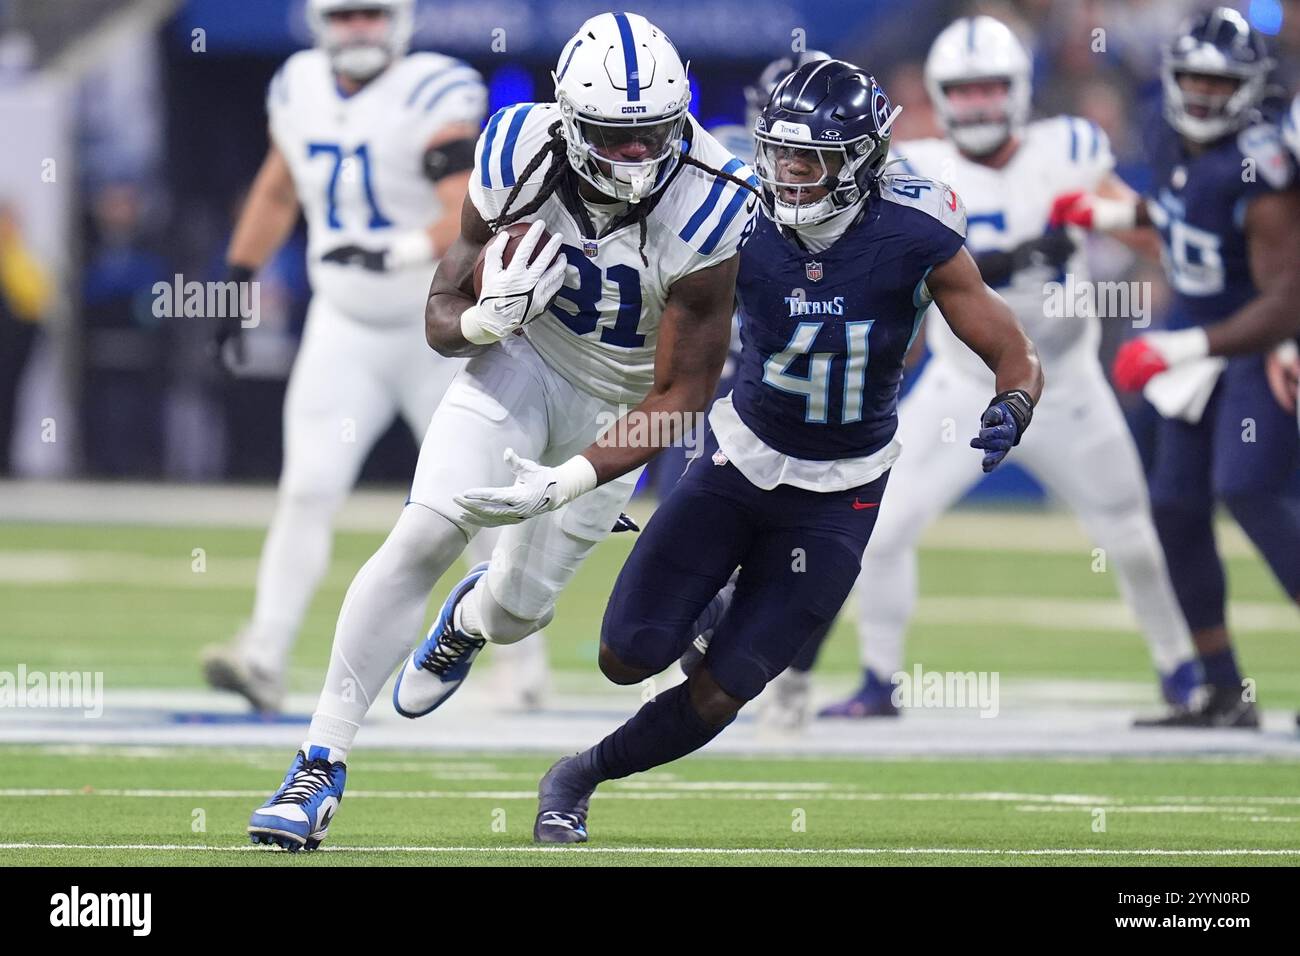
point(1242, 452)
point(798, 551)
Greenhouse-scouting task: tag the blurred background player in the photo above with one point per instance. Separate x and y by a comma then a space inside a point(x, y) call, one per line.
point(1269, 321)
point(374, 145)
point(1008, 171)
point(632, 190)
point(1225, 204)
point(807, 437)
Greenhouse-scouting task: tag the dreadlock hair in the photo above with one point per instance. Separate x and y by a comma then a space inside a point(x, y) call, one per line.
point(556, 148)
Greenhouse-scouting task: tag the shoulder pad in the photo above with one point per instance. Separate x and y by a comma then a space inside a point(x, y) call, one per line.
point(512, 137)
point(706, 209)
point(431, 76)
point(936, 199)
point(1262, 146)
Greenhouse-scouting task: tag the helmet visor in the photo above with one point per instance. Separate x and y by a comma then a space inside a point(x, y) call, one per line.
point(631, 142)
point(798, 173)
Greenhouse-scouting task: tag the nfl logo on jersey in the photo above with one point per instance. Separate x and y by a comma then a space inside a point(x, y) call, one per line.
point(813, 270)
point(590, 248)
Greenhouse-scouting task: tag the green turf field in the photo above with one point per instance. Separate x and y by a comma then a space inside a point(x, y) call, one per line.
point(478, 809)
point(127, 601)
point(137, 603)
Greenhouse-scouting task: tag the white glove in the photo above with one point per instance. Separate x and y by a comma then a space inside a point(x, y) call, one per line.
point(411, 248)
point(515, 294)
point(1178, 348)
point(537, 490)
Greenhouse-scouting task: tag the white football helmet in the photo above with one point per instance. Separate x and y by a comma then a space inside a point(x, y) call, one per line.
point(971, 49)
point(620, 80)
point(362, 60)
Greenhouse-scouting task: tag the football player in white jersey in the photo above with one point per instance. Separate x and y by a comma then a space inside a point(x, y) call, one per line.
point(646, 212)
point(375, 146)
point(1009, 172)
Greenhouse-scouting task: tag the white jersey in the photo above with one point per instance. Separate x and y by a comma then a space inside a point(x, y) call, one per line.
point(357, 167)
point(1007, 206)
point(601, 335)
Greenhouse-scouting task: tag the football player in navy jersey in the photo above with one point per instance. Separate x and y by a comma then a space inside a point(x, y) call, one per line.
point(832, 284)
point(1270, 319)
point(1228, 212)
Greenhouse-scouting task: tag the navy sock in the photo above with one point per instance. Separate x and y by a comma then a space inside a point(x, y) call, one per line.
point(660, 732)
point(1221, 668)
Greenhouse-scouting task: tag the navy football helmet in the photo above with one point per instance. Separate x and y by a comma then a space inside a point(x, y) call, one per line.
point(829, 114)
point(1219, 43)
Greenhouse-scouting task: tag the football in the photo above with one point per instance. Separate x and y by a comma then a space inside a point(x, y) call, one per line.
point(516, 232)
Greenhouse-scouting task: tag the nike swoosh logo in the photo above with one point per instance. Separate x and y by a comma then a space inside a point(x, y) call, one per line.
point(863, 505)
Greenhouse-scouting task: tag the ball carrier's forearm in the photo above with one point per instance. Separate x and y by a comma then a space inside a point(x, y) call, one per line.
point(694, 336)
point(452, 291)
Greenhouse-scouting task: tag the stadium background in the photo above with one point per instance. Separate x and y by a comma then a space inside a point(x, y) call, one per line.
point(153, 112)
point(131, 129)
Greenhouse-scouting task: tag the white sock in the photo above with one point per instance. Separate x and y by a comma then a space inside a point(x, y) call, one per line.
point(294, 559)
point(466, 617)
point(381, 620)
point(1133, 549)
point(886, 599)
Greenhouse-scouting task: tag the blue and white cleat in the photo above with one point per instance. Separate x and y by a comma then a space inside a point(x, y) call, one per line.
point(436, 669)
point(297, 817)
point(561, 807)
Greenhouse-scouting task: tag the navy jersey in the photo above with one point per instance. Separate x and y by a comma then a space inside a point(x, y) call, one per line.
point(823, 335)
point(1198, 203)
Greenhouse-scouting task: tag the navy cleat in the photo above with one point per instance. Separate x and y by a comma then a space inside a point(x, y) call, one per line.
point(436, 669)
point(873, 699)
point(298, 815)
point(561, 807)
point(1222, 707)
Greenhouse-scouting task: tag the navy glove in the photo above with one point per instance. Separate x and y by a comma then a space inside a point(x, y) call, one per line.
point(229, 330)
point(1001, 426)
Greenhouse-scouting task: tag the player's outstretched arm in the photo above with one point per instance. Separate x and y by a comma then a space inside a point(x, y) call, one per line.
point(447, 152)
point(694, 335)
point(452, 291)
point(1273, 236)
point(694, 332)
point(982, 320)
point(268, 216)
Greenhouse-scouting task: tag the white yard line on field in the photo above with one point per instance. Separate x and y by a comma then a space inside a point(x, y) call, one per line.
point(1043, 802)
point(669, 851)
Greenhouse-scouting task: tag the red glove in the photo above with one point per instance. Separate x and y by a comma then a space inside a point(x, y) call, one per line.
point(1071, 209)
point(1141, 359)
point(1136, 363)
